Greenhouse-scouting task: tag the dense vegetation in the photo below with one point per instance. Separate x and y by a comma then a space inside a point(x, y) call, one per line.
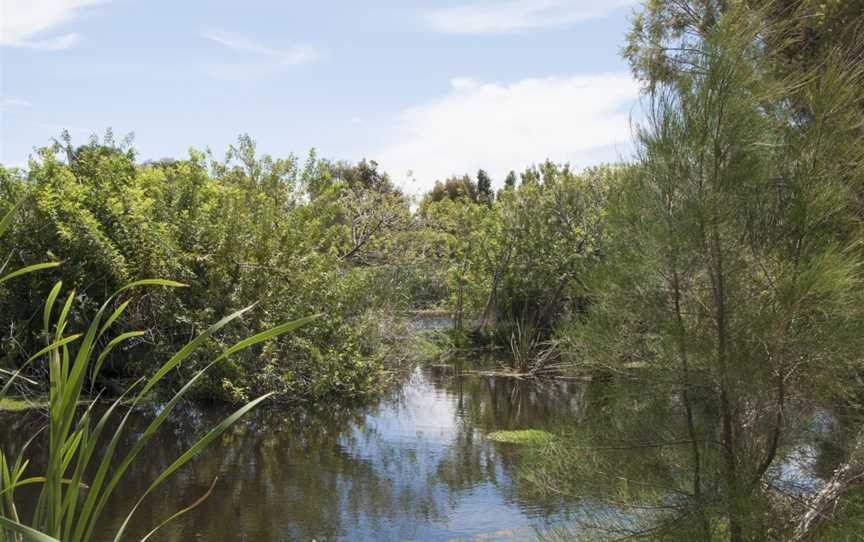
point(297, 240)
point(330, 238)
point(731, 282)
point(721, 270)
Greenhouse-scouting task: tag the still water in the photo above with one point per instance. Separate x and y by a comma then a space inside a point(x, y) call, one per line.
point(415, 465)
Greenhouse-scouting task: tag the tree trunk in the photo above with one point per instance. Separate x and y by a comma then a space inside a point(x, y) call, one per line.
point(490, 314)
point(688, 406)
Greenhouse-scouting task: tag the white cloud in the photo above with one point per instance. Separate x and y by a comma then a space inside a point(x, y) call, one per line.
point(23, 23)
point(580, 119)
point(10, 103)
point(504, 16)
point(267, 59)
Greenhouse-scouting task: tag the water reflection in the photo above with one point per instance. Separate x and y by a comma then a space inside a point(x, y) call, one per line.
point(631, 462)
point(414, 466)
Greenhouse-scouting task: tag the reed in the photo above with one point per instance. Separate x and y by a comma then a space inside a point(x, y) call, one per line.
point(84, 466)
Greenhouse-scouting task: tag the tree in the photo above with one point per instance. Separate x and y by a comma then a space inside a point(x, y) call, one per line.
point(454, 188)
point(510, 181)
point(797, 35)
point(530, 175)
point(484, 188)
point(731, 273)
point(515, 266)
point(248, 228)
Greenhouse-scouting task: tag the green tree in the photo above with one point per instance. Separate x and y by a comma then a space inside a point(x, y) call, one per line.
point(517, 265)
point(484, 188)
point(798, 36)
point(510, 181)
point(316, 238)
point(732, 268)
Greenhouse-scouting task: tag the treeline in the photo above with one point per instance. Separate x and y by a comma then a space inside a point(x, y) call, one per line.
point(319, 236)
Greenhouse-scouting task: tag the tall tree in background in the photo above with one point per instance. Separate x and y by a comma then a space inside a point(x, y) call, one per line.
point(510, 180)
point(484, 188)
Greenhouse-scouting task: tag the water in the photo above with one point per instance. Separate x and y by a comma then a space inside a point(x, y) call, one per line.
point(414, 466)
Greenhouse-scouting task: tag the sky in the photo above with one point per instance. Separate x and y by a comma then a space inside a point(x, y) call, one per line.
point(426, 88)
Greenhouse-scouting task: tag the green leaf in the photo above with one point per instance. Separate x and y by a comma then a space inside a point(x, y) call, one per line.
point(51, 347)
point(189, 348)
point(182, 511)
point(269, 334)
point(7, 218)
point(49, 305)
point(114, 316)
point(150, 282)
point(29, 269)
point(109, 347)
point(27, 532)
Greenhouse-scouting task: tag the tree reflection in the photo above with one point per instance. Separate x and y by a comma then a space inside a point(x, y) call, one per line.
point(401, 468)
point(630, 464)
point(417, 464)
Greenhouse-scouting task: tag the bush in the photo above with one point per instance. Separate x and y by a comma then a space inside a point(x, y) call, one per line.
point(295, 240)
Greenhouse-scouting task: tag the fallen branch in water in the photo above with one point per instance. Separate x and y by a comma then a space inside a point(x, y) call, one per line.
point(825, 502)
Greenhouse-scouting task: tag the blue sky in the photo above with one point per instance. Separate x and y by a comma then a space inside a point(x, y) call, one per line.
point(425, 88)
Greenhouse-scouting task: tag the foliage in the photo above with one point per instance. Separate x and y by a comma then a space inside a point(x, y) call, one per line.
point(67, 507)
point(732, 273)
point(797, 36)
point(532, 437)
point(247, 229)
point(849, 522)
point(517, 264)
point(722, 271)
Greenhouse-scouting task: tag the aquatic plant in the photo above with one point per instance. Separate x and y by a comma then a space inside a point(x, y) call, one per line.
point(533, 437)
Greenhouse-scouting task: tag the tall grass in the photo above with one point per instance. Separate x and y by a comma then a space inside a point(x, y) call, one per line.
point(531, 354)
point(83, 466)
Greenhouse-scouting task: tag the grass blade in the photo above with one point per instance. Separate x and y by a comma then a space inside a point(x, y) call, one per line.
point(107, 350)
point(49, 305)
point(7, 218)
point(179, 513)
point(28, 532)
point(116, 314)
point(51, 347)
point(189, 454)
point(269, 334)
point(29, 269)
